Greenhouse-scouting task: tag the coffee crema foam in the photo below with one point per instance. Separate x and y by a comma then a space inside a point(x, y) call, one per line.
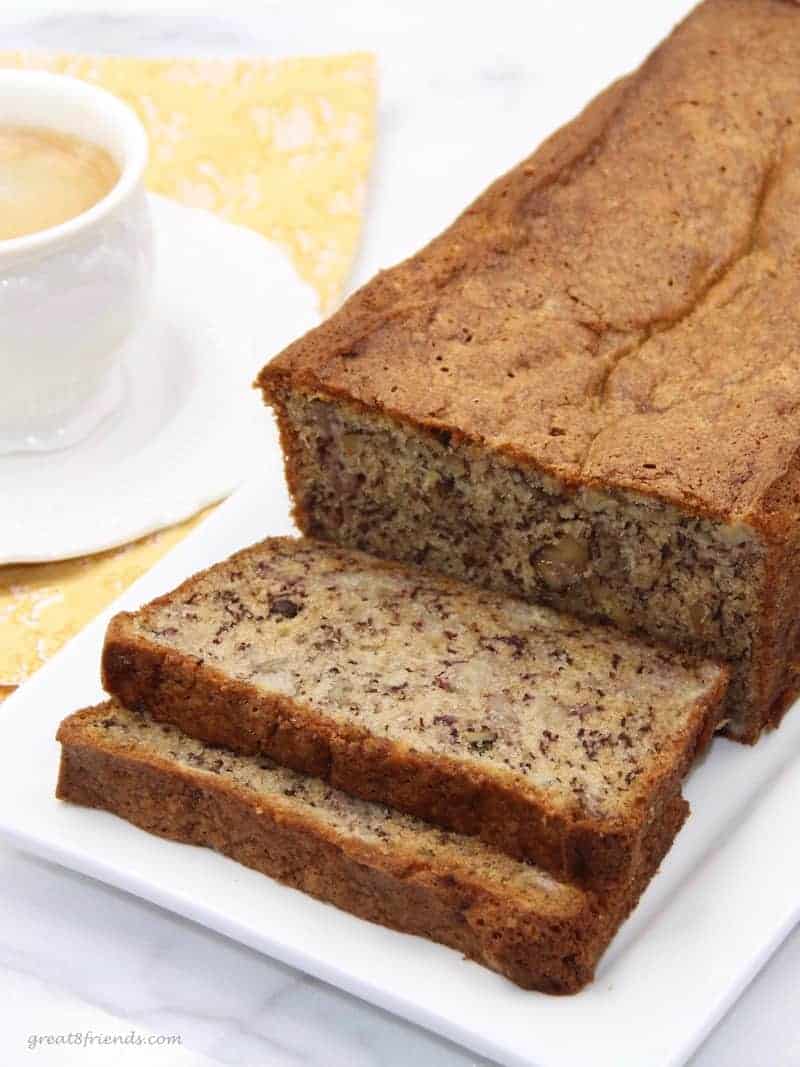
point(47, 178)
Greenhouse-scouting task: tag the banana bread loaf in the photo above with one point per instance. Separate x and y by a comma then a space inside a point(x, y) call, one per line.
point(556, 741)
point(369, 860)
point(587, 390)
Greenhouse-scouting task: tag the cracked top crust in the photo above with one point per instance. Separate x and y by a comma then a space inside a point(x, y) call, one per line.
point(622, 308)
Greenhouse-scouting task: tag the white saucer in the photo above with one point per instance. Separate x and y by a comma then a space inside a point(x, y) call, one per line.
point(189, 427)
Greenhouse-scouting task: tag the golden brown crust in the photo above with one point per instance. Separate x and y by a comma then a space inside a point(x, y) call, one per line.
point(551, 951)
point(209, 704)
point(622, 308)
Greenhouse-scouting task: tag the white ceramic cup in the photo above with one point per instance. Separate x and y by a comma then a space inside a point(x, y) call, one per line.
point(72, 294)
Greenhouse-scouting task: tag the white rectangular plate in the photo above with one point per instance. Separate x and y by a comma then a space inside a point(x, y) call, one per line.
point(727, 895)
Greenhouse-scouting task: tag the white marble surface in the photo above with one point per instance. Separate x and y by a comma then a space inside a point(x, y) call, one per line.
point(466, 90)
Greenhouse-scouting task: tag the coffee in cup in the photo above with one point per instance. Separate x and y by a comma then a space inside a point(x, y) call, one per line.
point(76, 256)
point(47, 178)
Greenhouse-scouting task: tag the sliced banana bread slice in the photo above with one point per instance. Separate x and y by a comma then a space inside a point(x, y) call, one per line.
point(554, 740)
point(369, 860)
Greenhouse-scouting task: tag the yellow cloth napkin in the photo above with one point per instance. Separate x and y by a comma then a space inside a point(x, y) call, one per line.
point(283, 146)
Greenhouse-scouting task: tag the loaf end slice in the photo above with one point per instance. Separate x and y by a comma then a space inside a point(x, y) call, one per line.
point(366, 859)
point(554, 741)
